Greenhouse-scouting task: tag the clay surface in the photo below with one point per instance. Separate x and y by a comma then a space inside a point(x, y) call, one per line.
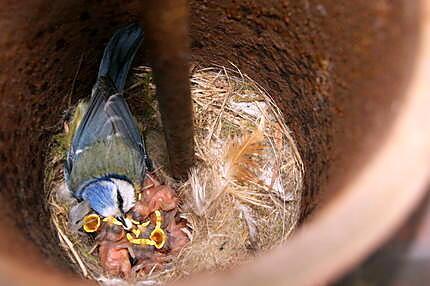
point(337, 70)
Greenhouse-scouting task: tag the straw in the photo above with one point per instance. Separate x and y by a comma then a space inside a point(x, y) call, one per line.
point(243, 195)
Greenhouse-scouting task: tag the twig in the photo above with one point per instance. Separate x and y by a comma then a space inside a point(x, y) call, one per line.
point(218, 119)
point(75, 78)
point(74, 252)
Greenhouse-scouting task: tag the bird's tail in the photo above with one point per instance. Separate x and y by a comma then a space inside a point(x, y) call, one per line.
point(119, 54)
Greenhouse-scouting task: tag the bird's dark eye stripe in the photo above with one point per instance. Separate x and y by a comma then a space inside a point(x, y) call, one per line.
point(120, 199)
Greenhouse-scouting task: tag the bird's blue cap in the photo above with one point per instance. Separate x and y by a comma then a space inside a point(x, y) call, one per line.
point(102, 196)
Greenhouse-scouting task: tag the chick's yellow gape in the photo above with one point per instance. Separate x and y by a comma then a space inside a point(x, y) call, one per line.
point(157, 238)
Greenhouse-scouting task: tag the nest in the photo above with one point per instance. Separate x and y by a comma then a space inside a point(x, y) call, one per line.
point(243, 194)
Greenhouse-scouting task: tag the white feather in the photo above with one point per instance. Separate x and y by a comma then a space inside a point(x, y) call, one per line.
point(198, 188)
point(64, 195)
point(127, 193)
point(250, 221)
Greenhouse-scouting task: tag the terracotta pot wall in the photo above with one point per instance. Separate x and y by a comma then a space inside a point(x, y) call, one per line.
point(337, 70)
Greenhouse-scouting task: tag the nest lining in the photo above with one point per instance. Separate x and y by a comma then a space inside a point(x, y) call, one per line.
point(243, 194)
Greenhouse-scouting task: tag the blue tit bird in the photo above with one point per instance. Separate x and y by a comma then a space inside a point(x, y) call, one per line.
point(107, 156)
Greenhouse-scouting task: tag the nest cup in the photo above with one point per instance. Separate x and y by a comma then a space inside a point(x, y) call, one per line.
point(243, 193)
point(332, 77)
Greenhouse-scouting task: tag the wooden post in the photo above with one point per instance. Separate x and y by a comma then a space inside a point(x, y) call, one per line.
point(166, 37)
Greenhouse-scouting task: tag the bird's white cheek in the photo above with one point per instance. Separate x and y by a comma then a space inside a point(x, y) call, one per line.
point(110, 211)
point(127, 193)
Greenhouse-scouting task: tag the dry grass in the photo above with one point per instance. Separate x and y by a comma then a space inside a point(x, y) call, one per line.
point(77, 246)
point(243, 195)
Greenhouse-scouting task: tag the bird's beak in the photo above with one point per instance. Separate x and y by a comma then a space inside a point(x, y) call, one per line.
point(126, 223)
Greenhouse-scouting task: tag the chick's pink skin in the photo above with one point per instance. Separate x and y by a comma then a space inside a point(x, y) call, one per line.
point(177, 238)
point(113, 250)
point(157, 197)
point(147, 260)
point(161, 197)
point(110, 232)
point(114, 258)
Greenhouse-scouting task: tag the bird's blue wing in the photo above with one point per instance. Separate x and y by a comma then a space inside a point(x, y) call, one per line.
point(119, 54)
point(106, 116)
point(123, 122)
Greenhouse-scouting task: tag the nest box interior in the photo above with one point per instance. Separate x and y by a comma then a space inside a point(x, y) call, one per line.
point(337, 71)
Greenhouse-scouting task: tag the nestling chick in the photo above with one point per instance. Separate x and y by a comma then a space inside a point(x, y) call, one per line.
point(113, 250)
point(161, 197)
point(147, 255)
point(177, 238)
point(107, 156)
point(147, 260)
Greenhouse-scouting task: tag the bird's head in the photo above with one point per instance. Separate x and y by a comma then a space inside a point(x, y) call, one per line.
point(110, 198)
point(125, 222)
